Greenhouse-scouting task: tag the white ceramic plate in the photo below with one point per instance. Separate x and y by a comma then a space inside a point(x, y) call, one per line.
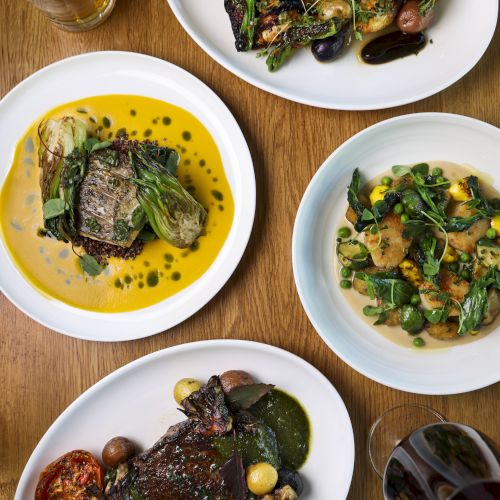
point(140, 394)
point(403, 140)
point(102, 73)
point(458, 44)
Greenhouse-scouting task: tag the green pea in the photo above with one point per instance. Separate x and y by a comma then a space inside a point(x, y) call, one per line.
point(415, 299)
point(346, 272)
point(491, 233)
point(418, 342)
point(386, 181)
point(345, 284)
point(398, 208)
point(454, 266)
point(344, 232)
point(405, 218)
point(437, 172)
point(465, 257)
point(465, 274)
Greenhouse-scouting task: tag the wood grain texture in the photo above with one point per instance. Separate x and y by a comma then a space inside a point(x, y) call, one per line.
point(41, 372)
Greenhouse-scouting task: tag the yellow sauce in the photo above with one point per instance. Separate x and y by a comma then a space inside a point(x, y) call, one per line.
point(161, 270)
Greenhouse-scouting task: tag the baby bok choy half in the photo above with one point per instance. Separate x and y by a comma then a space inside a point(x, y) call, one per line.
point(62, 160)
point(173, 214)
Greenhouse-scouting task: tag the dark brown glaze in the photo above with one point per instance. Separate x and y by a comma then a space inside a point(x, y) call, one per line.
point(392, 46)
point(182, 465)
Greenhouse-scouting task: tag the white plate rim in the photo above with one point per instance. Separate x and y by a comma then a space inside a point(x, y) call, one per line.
point(245, 165)
point(227, 64)
point(193, 346)
point(307, 196)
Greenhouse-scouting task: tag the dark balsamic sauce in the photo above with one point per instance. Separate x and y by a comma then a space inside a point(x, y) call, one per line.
point(392, 46)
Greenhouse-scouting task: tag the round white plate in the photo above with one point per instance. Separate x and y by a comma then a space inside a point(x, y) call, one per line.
point(140, 394)
point(101, 73)
point(403, 140)
point(458, 44)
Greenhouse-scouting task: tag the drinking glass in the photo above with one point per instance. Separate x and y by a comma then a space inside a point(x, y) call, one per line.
point(421, 456)
point(76, 15)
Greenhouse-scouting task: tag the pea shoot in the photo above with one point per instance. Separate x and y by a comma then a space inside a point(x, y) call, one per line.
point(437, 172)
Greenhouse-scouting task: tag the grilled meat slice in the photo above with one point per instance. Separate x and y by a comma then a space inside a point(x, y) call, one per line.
point(108, 209)
point(182, 465)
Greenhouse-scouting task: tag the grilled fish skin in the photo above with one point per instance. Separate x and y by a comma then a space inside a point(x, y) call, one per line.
point(108, 209)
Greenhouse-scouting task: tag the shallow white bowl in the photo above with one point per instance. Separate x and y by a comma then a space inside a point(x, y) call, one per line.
point(101, 73)
point(403, 140)
point(136, 401)
point(460, 34)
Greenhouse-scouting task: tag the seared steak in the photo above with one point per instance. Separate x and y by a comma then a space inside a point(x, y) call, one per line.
point(182, 465)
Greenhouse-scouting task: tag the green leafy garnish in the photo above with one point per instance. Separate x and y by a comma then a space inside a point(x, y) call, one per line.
point(90, 265)
point(54, 207)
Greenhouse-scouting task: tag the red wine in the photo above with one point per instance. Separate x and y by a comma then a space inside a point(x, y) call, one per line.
point(443, 462)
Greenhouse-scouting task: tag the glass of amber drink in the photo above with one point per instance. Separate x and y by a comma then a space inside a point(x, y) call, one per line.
point(76, 15)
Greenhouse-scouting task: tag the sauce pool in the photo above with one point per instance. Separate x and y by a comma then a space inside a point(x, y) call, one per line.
point(392, 46)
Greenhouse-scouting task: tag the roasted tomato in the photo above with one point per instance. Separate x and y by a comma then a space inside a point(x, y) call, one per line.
point(77, 475)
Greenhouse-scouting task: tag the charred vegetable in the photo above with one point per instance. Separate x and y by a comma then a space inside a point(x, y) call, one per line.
point(328, 49)
point(353, 254)
point(175, 216)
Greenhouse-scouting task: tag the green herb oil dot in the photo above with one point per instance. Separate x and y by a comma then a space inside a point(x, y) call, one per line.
point(133, 112)
point(118, 283)
point(152, 279)
point(166, 120)
point(176, 276)
point(169, 257)
point(186, 135)
point(128, 279)
point(140, 284)
point(217, 195)
point(202, 163)
point(106, 122)
point(148, 132)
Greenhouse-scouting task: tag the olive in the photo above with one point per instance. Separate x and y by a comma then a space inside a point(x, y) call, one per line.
point(261, 478)
point(235, 378)
point(328, 49)
point(409, 19)
point(184, 388)
point(412, 319)
point(292, 478)
point(117, 451)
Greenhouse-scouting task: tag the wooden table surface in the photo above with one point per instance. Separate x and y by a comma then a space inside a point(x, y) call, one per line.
point(41, 372)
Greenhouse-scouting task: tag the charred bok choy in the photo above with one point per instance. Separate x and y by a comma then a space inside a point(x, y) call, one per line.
point(426, 249)
point(107, 192)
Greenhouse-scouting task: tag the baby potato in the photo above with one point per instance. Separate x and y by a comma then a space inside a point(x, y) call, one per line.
point(328, 9)
point(184, 388)
point(261, 478)
point(409, 19)
point(235, 378)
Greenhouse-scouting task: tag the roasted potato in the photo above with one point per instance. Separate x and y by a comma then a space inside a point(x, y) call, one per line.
point(443, 331)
